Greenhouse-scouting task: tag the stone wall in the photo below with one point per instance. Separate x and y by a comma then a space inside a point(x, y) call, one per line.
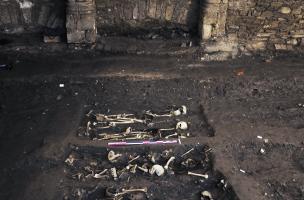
point(266, 24)
point(224, 25)
point(122, 16)
point(81, 21)
point(17, 16)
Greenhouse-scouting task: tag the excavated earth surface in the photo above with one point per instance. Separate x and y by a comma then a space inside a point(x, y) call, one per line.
point(249, 112)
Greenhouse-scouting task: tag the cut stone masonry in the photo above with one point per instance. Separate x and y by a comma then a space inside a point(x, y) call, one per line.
point(229, 26)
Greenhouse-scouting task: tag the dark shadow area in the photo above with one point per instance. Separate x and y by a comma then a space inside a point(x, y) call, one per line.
point(5, 41)
point(194, 16)
point(51, 17)
point(183, 24)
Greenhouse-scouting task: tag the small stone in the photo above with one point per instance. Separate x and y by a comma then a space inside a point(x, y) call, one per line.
point(280, 46)
point(285, 10)
point(184, 44)
point(59, 97)
point(292, 42)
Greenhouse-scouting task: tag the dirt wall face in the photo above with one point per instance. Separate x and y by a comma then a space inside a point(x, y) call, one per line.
point(18, 16)
point(267, 25)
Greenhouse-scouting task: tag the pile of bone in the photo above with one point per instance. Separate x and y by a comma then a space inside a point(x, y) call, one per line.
point(121, 165)
point(149, 125)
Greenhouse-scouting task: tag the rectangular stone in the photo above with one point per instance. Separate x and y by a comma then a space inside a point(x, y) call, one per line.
point(142, 7)
point(169, 10)
point(152, 8)
point(280, 46)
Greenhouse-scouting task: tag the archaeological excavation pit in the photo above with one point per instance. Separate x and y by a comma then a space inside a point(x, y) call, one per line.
point(151, 99)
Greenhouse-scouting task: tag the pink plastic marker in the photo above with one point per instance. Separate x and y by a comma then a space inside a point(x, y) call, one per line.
point(145, 142)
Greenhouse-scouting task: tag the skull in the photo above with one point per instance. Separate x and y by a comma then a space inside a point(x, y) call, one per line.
point(157, 169)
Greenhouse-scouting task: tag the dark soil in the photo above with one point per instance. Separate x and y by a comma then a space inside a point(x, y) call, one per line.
point(40, 120)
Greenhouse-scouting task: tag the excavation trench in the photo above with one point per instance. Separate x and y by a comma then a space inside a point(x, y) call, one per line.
point(71, 100)
point(42, 117)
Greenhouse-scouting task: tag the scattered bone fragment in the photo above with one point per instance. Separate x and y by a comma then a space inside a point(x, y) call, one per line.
point(114, 173)
point(132, 168)
point(112, 157)
point(262, 151)
point(70, 160)
point(207, 194)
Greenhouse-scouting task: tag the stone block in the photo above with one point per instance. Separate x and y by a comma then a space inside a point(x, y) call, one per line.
point(285, 10)
point(280, 46)
point(152, 8)
point(207, 31)
point(256, 45)
point(81, 22)
point(169, 10)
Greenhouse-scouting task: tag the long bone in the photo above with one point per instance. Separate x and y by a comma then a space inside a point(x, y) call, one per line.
point(177, 112)
point(168, 162)
point(172, 135)
point(118, 119)
point(144, 169)
point(88, 127)
point(206, 176)
point(101, 174)
point(134, 159)
point(187, 152)
point(124, 191)
point(102, 117)
point(106, 136)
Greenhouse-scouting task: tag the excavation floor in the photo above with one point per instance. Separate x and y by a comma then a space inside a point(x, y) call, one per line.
point(255, 109)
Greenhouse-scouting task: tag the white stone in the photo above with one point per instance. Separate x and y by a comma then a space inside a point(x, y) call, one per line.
point(24, 4)
point(207, 31)
point(285, 10)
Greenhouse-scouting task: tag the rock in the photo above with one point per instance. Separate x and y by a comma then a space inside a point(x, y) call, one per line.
point(207, 31)
point(280, 46)
point(218, 56)
point(59, 97)
point(285, 10)
point(256, 45)
point(302, 42)
point(267, 14)
point(292, 42)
